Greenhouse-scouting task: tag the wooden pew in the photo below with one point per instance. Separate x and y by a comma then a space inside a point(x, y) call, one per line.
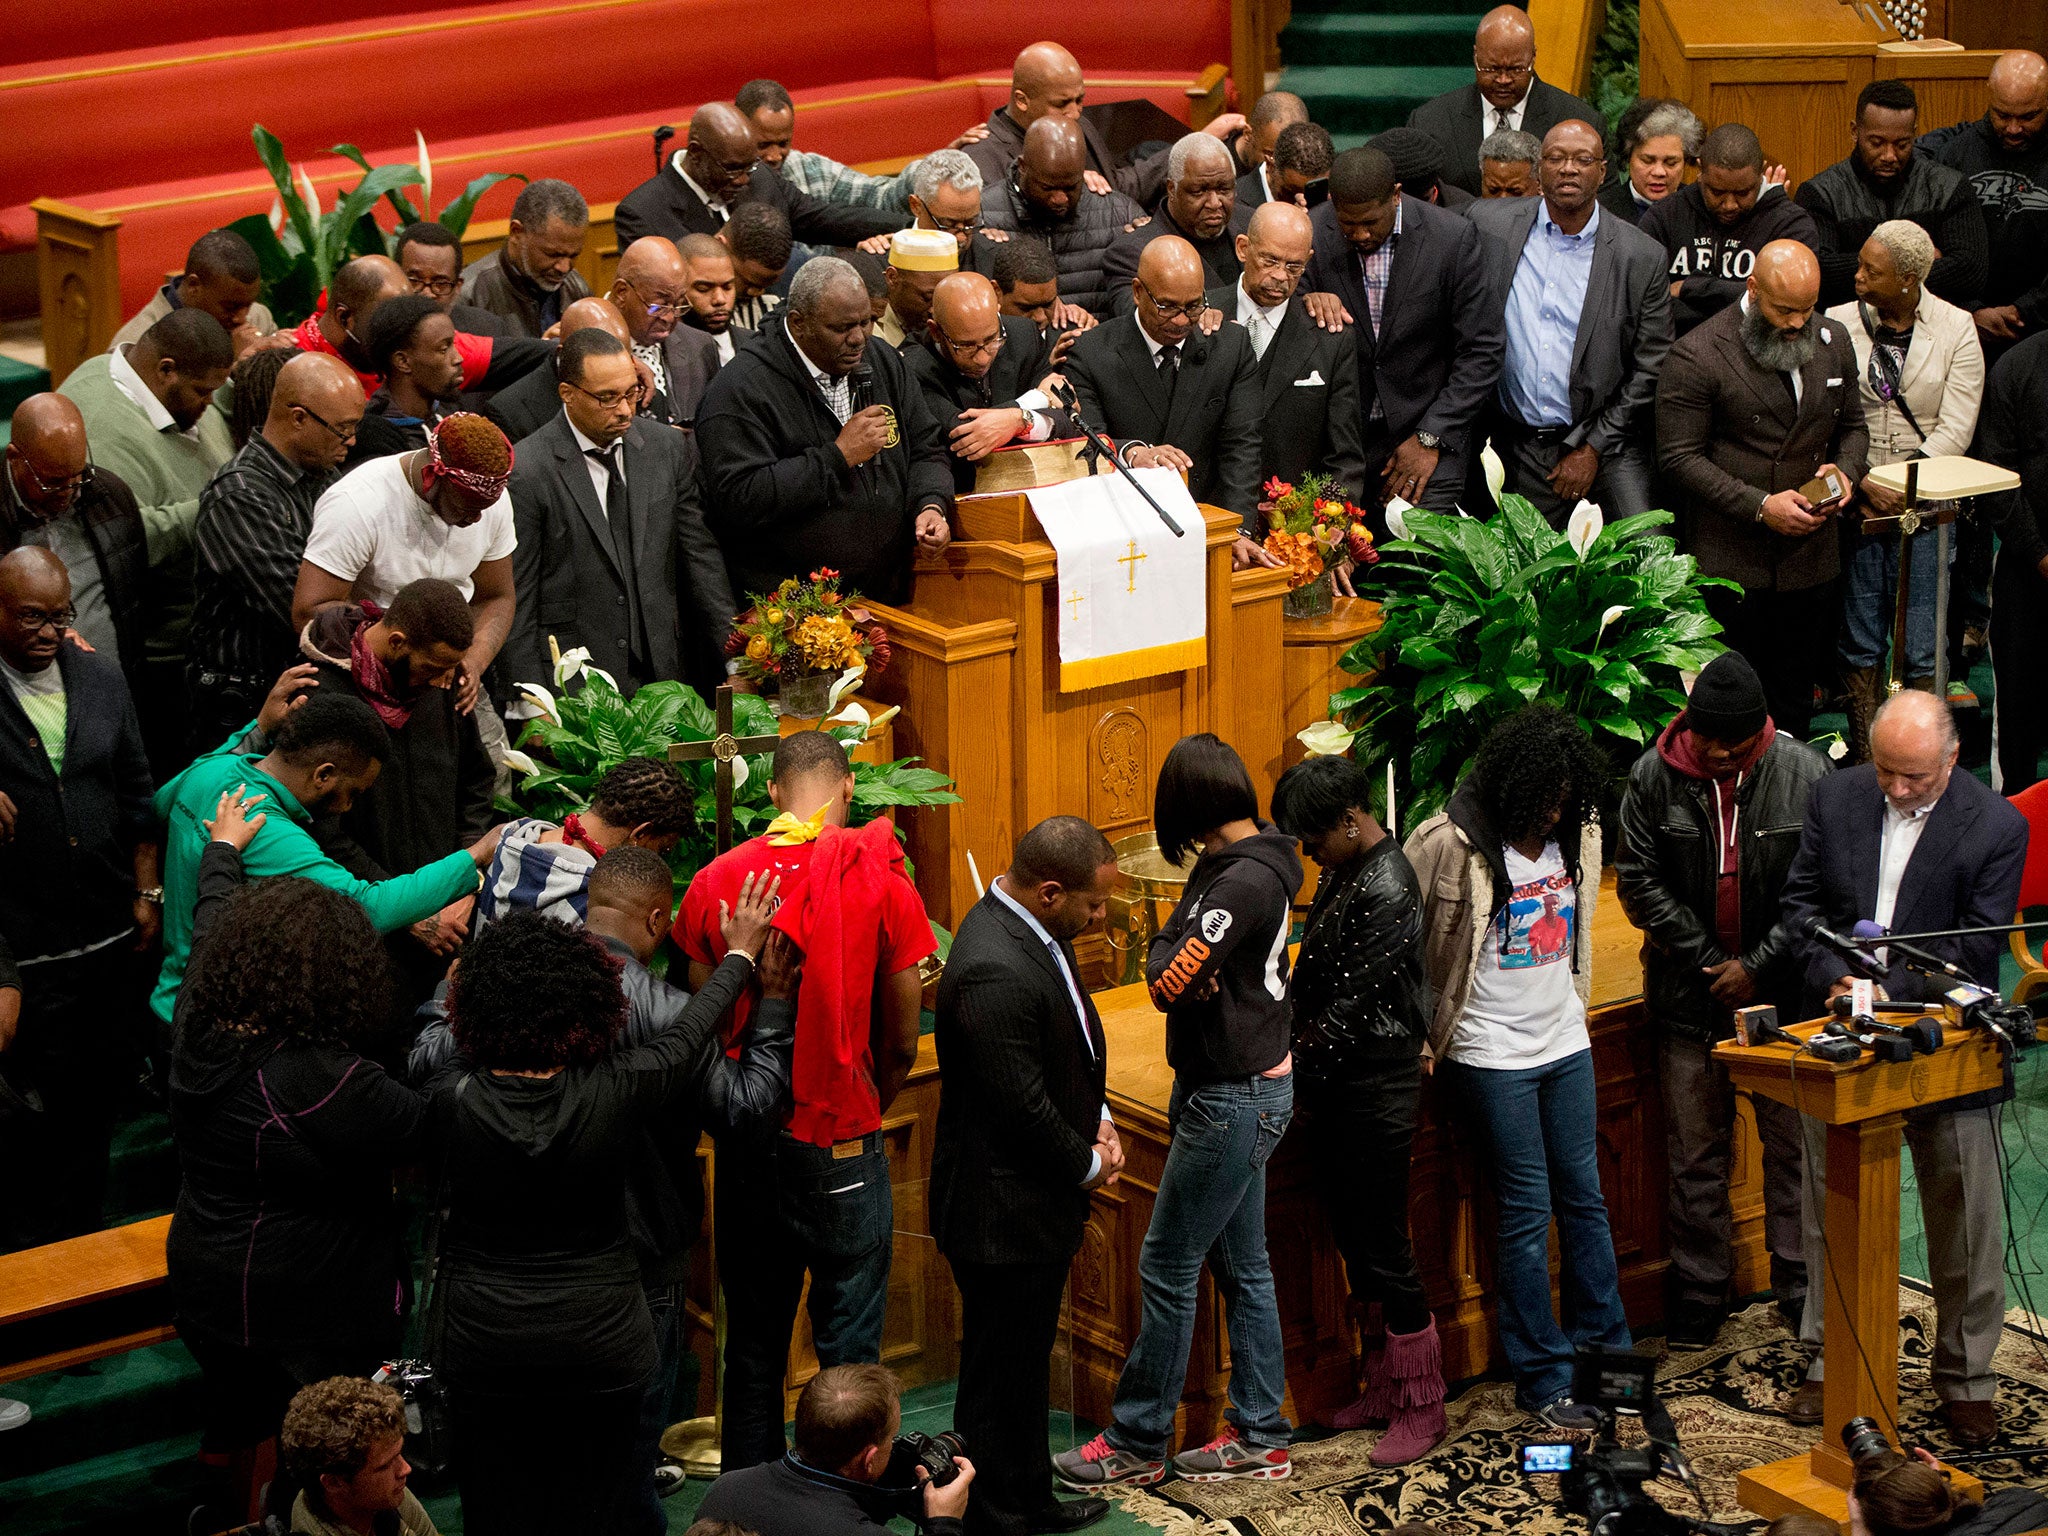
point(84, 1299)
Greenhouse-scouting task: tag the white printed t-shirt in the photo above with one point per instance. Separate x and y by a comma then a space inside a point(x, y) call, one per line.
point(1523, 1010)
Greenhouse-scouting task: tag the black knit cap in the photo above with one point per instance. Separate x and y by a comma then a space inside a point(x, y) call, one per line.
point(1418, 158)
point(1727, 701)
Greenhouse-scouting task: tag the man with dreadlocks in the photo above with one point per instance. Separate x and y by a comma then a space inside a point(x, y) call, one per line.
point(438, 511)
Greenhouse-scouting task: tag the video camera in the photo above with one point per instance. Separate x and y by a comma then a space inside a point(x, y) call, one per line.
point(1604, 1481)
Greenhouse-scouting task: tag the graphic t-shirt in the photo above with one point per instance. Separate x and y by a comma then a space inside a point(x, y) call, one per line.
point(1523, 1010)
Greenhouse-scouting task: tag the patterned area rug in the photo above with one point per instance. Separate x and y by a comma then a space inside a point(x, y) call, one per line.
point(1723, 1400)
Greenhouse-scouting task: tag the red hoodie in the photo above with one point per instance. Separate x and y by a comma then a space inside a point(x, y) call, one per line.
point(1681, 752)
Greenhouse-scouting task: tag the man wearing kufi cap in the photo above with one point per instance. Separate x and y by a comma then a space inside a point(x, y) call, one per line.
point(1710, 824)
point(918, 258)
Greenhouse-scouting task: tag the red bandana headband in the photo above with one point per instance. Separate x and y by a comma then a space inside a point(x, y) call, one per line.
point(490, 487)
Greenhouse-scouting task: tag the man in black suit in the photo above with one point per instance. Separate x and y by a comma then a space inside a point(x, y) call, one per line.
point(1023, 1135)
point(710, 294)
point(1173, 397)
point(819, 449)
point(1308, 377)
point(1200, 206)
point(1271, 115)
point(613, 553)
point(1412, 279)
point(650, 292)
point(1913, 845)
point(1505, 93)
point(1587, 319)
point(530, 402)
point(695, 192)
point(980, 370)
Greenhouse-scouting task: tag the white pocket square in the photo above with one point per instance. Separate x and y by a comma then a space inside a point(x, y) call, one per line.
point(1834, 383)
point(1314, 380)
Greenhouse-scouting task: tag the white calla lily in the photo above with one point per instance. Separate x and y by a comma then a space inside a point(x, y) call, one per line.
point(570, 664)
point(542, 700)
point(1586, 522)
point(311, 194)
point(426, 166)
point(739, 774)
point(1608, 618)
point(590, 672)
point(1397, 524)
point(1496, 472)
point(848, 681)
point(1326, 738)
point(520, 762)
point(853, 714)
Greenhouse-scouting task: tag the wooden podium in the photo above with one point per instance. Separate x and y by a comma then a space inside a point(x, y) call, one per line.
point(1863, 1105)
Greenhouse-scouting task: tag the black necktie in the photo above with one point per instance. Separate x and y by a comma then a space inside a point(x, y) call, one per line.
point(619, 522)
point(1169, 367)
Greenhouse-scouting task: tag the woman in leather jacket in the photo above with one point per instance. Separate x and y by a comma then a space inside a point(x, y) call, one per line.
point(1360, 1000)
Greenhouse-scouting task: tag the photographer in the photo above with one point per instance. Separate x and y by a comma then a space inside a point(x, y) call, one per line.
point(842, 1478)
point(343, 1445)
point(1895, 1496)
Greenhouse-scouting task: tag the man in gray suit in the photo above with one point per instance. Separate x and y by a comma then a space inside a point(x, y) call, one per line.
point(613, 551)
point(650, 292)
point(1754, 404)
point(1505, 93)
point(1587, 316)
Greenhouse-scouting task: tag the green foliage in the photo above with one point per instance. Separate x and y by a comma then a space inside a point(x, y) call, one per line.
point(1479, 618)
point(595, 729)
point(1615, 69)
point(300, 256)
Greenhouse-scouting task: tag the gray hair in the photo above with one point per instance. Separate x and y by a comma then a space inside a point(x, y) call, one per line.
point(1186, 147)
point(1508, 145)
point(1911, 250)
point(1672, 120)
point(819, 275)
point(544, 202)
point(945, 168)
point(1924, 709)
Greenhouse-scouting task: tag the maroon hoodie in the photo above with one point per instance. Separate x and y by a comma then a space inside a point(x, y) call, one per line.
point(1680, 751)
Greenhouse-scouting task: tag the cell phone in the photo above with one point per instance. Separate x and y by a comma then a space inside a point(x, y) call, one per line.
point(1547, 1456)
point(1825, 490)
point(1317, 191)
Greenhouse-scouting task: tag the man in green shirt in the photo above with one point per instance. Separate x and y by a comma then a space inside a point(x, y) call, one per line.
point(323, 752)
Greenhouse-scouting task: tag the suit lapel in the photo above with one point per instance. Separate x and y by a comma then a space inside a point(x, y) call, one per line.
point(1138, 363)
point(1866, 850)
point(1763, 387)
point(1406, 258)
point(1948, 824)
point(1093, 1020)
point(1603, 277)
point(1284, 354)
point(639, 505)
point(571, 466)
point(1814, 395)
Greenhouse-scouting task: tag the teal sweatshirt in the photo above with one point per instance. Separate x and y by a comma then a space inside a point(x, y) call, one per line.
point(282, 846)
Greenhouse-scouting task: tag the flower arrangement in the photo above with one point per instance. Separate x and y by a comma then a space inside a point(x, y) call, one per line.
point(1314, 528)
point(807, 628)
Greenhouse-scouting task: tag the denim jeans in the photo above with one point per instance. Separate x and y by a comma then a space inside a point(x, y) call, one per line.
point(1542, 1127)
point(784, 1209)
point(646, 1512)
point(1211, 1201)
point(1870, 565)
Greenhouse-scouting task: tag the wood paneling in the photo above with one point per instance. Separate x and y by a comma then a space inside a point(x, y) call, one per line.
point(1949, 82)
point(1565, 33)
point(78, 271)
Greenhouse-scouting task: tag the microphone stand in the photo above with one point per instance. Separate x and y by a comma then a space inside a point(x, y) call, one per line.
point(1962, 933)
point(1099, 443)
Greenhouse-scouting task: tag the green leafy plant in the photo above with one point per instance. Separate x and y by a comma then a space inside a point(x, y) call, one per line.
point(581, 734)
point(299, 244)
point(1478, 619)
point(1615, 67)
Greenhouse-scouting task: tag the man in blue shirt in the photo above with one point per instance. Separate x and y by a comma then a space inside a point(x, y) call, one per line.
point(1588, 321)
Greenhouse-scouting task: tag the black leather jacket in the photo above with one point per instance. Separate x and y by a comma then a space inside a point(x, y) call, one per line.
point(1665, 873)
point(1360, 993)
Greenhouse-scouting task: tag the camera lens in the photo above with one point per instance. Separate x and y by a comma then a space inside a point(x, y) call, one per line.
point(1864, 1439)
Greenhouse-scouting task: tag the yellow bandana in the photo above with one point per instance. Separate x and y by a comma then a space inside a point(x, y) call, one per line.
point(786, 831)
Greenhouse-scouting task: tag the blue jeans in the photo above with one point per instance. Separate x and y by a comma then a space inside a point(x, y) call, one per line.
point(1870, 563)
point(1211, 1201)
point(657, 1404)
point(1543, 1128)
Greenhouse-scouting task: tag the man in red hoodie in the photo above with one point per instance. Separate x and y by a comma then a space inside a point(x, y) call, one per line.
point(1709, 825)
point(814, 1198)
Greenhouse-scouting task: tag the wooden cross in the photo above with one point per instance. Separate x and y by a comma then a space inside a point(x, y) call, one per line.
point(1131, 561)
point(1075, 602)
point(722, 748)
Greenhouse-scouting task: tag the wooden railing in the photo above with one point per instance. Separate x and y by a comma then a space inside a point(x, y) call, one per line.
point(1566, 31)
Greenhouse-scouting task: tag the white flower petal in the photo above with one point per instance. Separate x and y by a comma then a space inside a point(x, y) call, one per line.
point(1839, 750)
point(1584, 527)
point(1496, 472)
point(426, 166)
point(516, 759)
point(1326, 738)
point(1397, 525)
point(542, 700)
point(854, 714)
point(739, 774)
point(590, 672)
point(570, 664)
point(848, 681)
point(311, 194)
point(1608, 618)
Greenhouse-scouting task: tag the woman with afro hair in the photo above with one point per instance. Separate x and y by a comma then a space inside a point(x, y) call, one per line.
point(1508, 873)
point(546, 1342)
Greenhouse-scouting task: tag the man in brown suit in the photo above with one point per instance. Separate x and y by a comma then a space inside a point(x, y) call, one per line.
point(1753, 404)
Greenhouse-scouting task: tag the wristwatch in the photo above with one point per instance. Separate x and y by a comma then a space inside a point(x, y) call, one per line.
point(154, 895)
point(1430, 441)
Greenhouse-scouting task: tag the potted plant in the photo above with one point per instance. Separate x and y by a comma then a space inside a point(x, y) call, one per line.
point(1314, 530)
point(802, 636)
point(1479, 618)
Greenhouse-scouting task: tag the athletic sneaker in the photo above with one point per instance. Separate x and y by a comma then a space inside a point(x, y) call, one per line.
point(1229, 1456)
point(1563, 1413)
point(1098, 1464)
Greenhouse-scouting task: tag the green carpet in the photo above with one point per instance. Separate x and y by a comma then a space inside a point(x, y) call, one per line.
point(18, 380)
point(1364, 65)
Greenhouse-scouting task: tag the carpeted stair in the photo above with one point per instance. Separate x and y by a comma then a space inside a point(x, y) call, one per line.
point(1364, 65)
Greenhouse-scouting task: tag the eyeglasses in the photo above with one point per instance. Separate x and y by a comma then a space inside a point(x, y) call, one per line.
point(955, 227)
point(1502, 71)
point(439, 287)
point(611, 399)
point(1190, 310)
point(654, 311)
point(33, 620)
point(81, 482)
point(1558, 160)
point(971, 349)
point(1271, 264)
point(342, 434)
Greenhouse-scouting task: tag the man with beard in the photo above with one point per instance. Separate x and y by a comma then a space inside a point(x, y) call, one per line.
point(1044, 197)
point(411, 342)
point(759, 237)
point(1883, 179)
point(980, 370)
point(1200, 206)
point(819, 450)
point(2005, 155)
point(1754, 404)
point(432, 260)
point(1271, 116)
point(918, 260)
point(710, 289)
point(532, 277)
point(1713, 227)
point(648, 293)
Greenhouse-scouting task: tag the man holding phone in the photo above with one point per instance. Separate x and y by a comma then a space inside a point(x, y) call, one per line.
point(1760, 438)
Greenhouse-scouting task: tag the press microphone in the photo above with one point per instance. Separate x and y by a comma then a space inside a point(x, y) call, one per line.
point(1758, 1025)
point(1866, 929)
point(1864, 962)
point(861, 384)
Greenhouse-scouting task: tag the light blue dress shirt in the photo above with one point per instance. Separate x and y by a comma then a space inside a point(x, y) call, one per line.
point(1059, 957)
point(1544, 304)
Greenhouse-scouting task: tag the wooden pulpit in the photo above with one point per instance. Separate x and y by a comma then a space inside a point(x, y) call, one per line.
point(1863, 1104)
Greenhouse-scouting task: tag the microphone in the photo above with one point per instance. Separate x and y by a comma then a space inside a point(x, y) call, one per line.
point(861, 385)
point(1861, 960)
point(1866, 929)
point(661, 137)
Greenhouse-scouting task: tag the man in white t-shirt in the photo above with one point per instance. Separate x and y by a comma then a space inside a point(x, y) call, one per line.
point(438, 511)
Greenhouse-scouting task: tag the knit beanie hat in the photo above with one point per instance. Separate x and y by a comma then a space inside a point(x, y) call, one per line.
point(1727, 701)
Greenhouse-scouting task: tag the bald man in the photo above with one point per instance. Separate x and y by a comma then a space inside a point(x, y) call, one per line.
point(1753, 405)
point(1307, 377)
point(1200, 206)
point(523, 408)
point(1912, 844)
point(1046, 81)
point(254, 517)
point(80, 901)
point(57, 499)
point(651, 294)
point(1505, 93)
point(1271, 115)
point(1046, 197)
point(2005, 155)
point(1174, 397)
point(720, 167)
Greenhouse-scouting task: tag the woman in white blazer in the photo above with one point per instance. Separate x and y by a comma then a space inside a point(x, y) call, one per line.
point(1922, 375)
